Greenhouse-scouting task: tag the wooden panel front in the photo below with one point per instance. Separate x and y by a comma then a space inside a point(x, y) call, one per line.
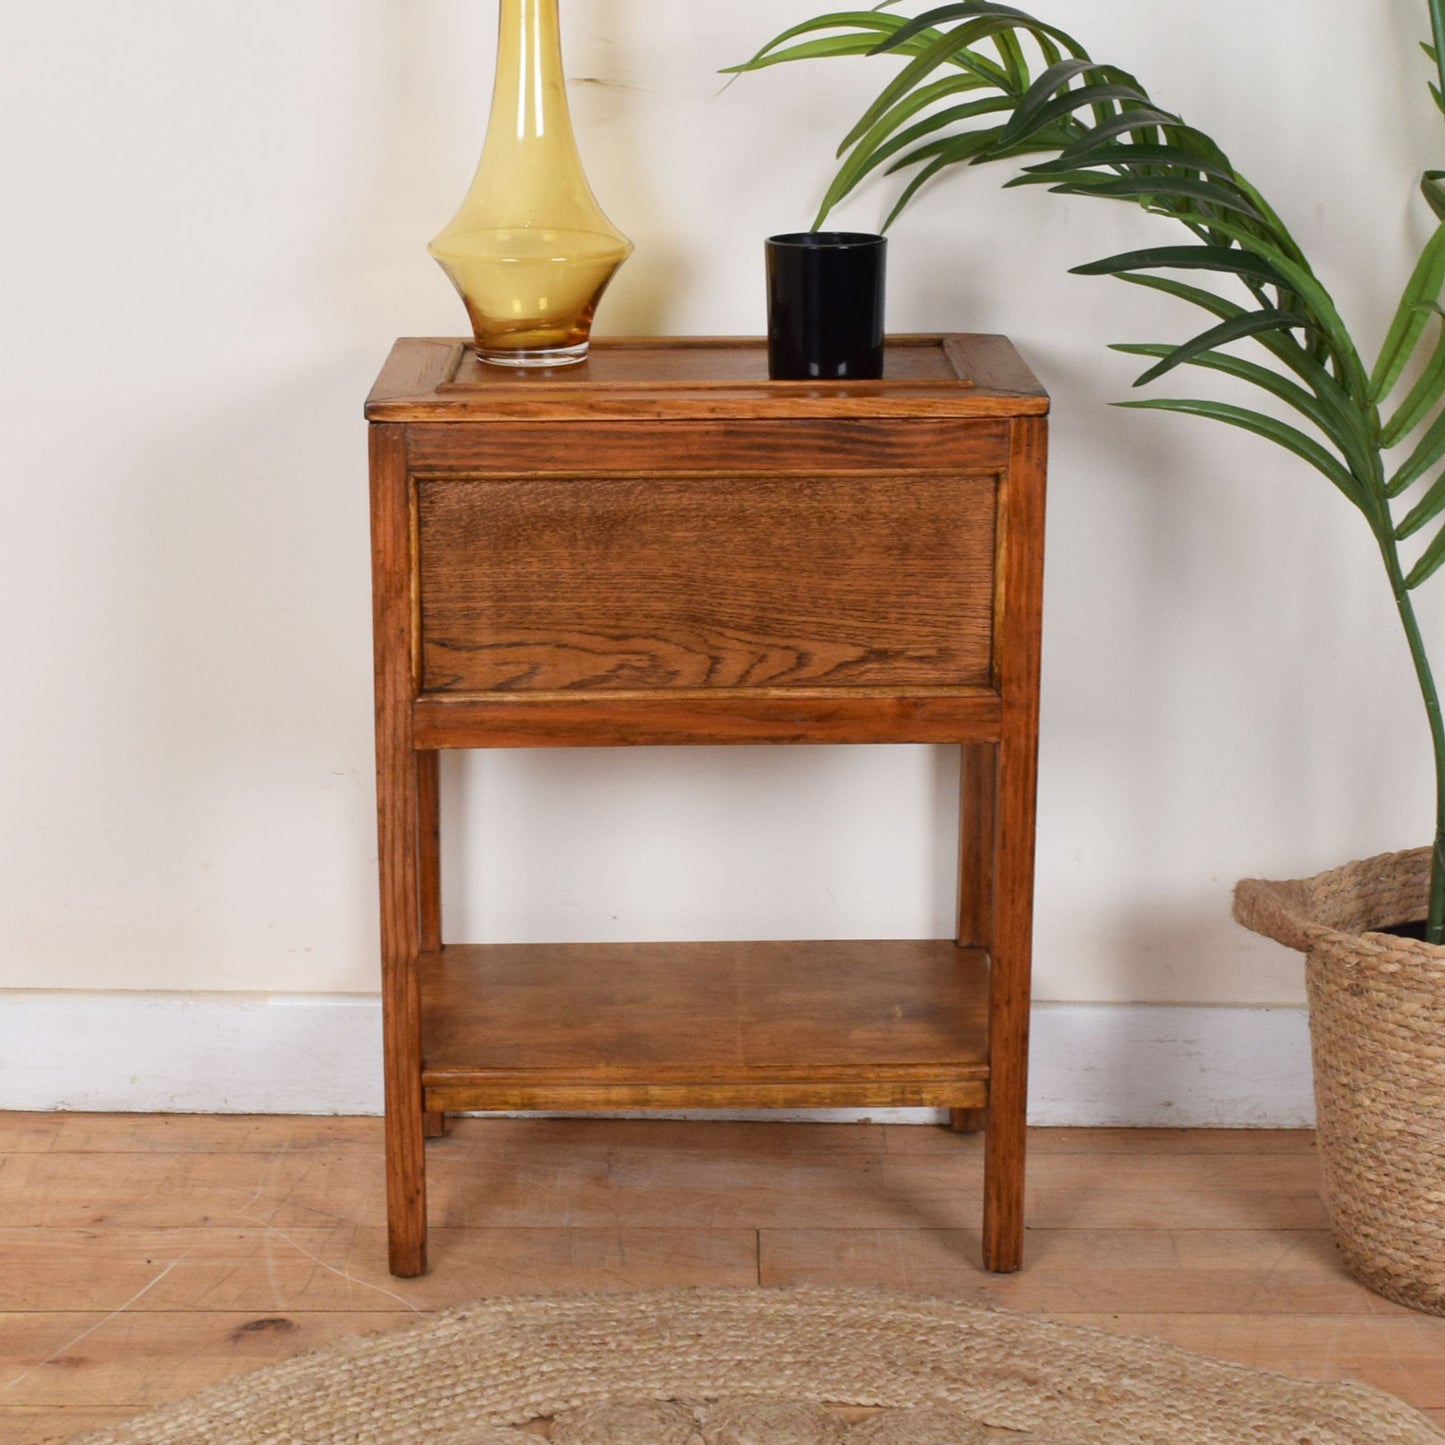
point(623, 584)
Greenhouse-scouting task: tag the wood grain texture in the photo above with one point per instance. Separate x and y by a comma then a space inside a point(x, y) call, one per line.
point(1118, 1271)
point(1017, 660)
point(429, 857)
point(978, 843)
point(999, 370)
point(695, 716)
point(732, 445)
point(710, 361)
point(704, 1025)
point(400, 844)
point(415, 368)
point(662, 546)
point(340, 1267)
point(662, 584)
point(679, 378)
point(143, 1258)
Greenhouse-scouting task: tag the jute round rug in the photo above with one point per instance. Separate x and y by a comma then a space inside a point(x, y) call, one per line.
point(765, 1367)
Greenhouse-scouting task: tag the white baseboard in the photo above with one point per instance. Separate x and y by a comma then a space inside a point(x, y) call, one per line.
point(1092, 1064)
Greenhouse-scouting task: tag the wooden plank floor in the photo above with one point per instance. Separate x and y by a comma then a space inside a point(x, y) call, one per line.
point(144, 1257)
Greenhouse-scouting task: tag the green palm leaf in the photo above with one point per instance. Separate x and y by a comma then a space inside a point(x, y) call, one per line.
point(1226, 260)
point(1281, 433)
point(1428, 450)
point(811, 50)
point(958, 148)
point(1012, 55)
point(1338, 427)
point(1103, 93)
point(953, 47)
point(1053, 79)
point(1347, 416)
point(1280, 252)
point(1432, 187)
point(1437, 50)
point(1410, 318)
point(920, 100)
point(867, 159)
point(868, 21)
point(1088, 149)
point(1422, 397)
point(1145, 119)
point(1103, 136)
point(973, 9)
point(1425, 511)
point(1171, 157)
point(1429, 563)
point(1237, 328)
point(1148, 191)
point(961, 148)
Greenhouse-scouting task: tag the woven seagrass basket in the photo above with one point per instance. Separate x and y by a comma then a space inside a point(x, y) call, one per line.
point(1377, 1034)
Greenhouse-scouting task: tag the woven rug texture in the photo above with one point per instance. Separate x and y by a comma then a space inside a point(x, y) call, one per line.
point(765, 1367)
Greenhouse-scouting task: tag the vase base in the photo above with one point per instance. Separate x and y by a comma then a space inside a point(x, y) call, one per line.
point(536, 357)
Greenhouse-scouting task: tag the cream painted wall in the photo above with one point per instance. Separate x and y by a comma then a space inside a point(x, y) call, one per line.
point(215, 224)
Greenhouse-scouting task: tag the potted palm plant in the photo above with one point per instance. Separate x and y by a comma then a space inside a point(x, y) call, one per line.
point(982, 81)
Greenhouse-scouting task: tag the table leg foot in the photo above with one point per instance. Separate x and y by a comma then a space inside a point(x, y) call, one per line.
point(407, 1257)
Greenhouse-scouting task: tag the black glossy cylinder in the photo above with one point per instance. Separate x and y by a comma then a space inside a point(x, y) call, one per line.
point(825, 305)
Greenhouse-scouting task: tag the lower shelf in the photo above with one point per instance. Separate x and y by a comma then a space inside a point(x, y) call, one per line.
point(705, 1025)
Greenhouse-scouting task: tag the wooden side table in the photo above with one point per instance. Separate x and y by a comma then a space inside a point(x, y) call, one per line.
point(661, 546)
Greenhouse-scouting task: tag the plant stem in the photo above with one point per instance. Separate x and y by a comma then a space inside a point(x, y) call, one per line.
point(1435, 920)
point(1437, 32)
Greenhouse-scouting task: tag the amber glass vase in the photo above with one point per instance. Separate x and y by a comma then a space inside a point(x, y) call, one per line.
point(530, 250)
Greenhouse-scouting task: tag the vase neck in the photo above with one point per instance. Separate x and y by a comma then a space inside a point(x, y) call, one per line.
point(530, 250)
point(529, 98)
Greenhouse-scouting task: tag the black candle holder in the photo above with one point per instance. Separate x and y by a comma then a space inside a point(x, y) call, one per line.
point(825, 305)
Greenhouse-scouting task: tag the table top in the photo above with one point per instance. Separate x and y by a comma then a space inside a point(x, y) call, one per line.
point(441, 380)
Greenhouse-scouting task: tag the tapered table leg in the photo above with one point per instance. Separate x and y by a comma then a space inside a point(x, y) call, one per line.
point(1008, 1005)
point(977, 859)
point(398, 806)
point(429, 881)
point(1015, 802)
